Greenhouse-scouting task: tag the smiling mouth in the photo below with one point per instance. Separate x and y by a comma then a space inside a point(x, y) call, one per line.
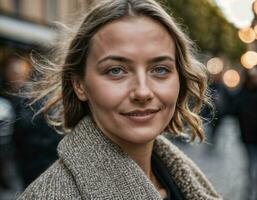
point(141, 115)
point(141, 112)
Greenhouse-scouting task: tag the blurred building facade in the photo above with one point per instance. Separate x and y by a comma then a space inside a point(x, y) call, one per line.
point(28, 24)
point(42, 11)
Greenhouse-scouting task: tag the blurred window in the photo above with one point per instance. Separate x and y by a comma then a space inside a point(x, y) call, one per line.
point(7, 6)
point(33, 10)
point(51, 10)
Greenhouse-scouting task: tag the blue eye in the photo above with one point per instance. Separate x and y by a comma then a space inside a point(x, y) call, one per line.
point(160, 70)
point(116, 71)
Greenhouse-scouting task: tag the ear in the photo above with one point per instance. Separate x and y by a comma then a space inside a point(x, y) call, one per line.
point(79, 89)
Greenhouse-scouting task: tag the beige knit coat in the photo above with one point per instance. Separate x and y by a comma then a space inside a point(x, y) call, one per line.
point(91, 167)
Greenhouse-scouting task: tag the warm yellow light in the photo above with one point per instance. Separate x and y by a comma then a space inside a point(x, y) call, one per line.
point(247, 35)
point(25, 67)
point(231, 78)
point(249, 59)
point(255, 7)
point(215, 65)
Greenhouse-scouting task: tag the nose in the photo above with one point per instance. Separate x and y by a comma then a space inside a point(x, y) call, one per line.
point(142, 91)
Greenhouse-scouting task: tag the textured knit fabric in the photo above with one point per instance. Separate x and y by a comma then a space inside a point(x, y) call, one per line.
point(162, 174)
point(90, 166)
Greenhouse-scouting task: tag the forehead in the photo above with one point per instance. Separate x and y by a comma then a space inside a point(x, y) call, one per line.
point(131, 34)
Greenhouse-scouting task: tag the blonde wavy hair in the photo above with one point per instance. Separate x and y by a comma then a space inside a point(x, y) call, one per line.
point(60, 104)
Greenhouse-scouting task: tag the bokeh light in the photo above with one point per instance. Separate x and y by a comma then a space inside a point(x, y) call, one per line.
point(215, 65)
point(249, 59)
point(247, 35)
point(17, 71)
point(231, 78)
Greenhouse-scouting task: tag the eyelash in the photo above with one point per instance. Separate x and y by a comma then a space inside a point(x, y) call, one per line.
point(162, 68)
point(122, 71)
point(114, 68)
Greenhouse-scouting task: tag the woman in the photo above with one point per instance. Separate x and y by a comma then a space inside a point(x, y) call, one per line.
point(128, 76)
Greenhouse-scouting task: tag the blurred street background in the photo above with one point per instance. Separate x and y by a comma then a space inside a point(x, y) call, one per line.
point(225, 33)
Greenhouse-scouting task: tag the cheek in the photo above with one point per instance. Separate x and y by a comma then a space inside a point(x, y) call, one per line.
point(169, 91)
point(105, 95)
point(169, 96)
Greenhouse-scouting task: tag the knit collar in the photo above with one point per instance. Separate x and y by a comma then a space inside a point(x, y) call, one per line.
point(102, 170)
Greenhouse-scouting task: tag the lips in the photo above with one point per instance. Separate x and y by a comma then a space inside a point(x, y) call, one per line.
point(138, 113)
point(140, 116)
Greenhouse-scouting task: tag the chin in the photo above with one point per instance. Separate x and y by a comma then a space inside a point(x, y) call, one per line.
point(142, 137)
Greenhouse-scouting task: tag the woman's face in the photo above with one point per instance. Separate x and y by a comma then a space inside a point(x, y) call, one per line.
point(131, 81)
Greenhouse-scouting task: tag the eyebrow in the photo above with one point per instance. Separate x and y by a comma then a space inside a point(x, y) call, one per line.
point(161, 58)
point(115, 58)
point(127, 60)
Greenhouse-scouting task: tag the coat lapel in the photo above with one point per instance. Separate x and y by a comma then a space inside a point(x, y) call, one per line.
point(100, 168)
point(187, 176)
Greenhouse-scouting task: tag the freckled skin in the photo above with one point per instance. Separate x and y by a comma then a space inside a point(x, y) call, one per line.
point(139, 86)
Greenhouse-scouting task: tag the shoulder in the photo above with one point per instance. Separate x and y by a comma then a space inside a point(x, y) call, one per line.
point(55, 183)
point(186, 174)
point(175, 159)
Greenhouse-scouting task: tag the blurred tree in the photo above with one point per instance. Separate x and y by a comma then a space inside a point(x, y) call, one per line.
point(207, 27)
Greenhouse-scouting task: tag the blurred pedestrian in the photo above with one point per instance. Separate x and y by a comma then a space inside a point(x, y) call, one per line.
point(127, 76)
point(34, 141)
point(221, 99)
point(245, 110)
point(9, 177)
point(6, 120)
